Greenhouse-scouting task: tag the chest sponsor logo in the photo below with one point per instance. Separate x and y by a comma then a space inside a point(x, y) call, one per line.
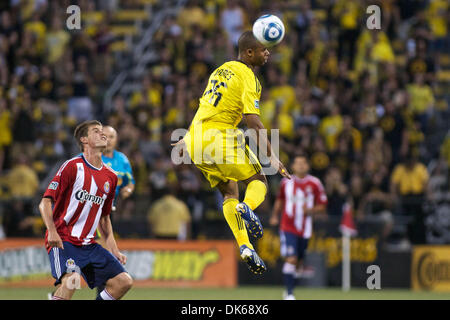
point(83, 195)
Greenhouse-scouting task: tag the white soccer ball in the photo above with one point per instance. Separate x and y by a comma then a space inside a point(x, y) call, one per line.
point(269, 30)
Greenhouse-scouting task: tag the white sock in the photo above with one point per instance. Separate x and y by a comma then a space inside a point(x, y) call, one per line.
point(288, 268)
point(106, 296)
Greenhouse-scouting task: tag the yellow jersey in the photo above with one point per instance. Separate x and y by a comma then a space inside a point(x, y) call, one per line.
point(213, 141)
point(410, 181)
point(233, 90)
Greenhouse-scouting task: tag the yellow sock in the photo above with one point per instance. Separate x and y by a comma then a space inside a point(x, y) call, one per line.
point(255, 194)
point(236, 222)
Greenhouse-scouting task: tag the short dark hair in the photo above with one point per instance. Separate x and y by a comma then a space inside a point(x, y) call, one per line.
point(82, 131)
point(247, 41)
point(300, 155)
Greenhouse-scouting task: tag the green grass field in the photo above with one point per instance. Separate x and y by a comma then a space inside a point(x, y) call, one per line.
point(240, 293)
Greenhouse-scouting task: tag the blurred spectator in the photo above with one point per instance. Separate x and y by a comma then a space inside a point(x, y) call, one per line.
point(307, 117)
point(232, 20)
point(140, 173)
point(56, 40)
point(320, 160)
point(22, 181)
point(5, 130)
point(150, 94)
point(303, 19)
point(37, 30)
point(409, 184)
point(437, 15)
point(382, 51)
point(377, 204)
point(421, 99)
point(169, 218)
point(351, 137)
point(336, 191)
point(80, 105)
point(192, 15)
point(17, 218)
point(284, 94)
point(347, 13)
point(10, 31)
point(103, 60)
point(330, 127)
point(394, 130)
point(23, 127)
point(445, 149)
point(438, 185)
point(162, 177)
point(421, 62)
point(378, 150)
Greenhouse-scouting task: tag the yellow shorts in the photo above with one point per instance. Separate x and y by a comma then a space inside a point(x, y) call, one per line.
point(221, 155)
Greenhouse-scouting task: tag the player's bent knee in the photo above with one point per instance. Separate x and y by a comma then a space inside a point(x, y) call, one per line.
point(125, 281)
point(120, 283)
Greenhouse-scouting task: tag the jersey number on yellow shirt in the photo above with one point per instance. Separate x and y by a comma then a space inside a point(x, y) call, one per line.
point(215, 85)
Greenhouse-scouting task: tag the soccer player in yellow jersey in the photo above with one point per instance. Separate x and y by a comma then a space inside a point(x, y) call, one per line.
point(218, 148)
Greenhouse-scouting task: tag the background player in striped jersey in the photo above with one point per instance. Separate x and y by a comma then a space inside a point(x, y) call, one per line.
point(77, 201)
point(299, 199)
point(119, 162)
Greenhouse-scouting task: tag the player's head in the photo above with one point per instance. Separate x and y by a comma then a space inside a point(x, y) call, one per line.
point(90, 134)
point(111, 134)
point(251, 51)
point(300, 165)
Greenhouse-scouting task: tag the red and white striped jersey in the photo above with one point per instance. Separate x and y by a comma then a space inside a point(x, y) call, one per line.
point(295, 194)
point(81, 195)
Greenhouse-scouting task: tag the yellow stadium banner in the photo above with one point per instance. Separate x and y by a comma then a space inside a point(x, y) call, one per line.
point(430, 268)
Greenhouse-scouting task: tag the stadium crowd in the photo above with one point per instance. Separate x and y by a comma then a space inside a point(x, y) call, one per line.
point(366, 105)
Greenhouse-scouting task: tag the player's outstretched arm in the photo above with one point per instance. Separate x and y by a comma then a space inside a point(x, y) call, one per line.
point(45, 208)
point(106, 230)
point(276, 211)
point(253, 121)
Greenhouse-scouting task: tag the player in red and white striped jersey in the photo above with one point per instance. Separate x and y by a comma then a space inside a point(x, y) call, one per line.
point(80, 192)
point(77, 201)
point(299, 199)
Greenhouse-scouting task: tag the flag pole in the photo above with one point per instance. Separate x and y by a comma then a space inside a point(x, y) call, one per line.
point(348, 229)
point(346, 261)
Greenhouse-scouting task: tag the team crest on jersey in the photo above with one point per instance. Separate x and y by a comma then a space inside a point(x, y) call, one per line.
point(70, 263)
point(106, 187)
point(53, 185)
